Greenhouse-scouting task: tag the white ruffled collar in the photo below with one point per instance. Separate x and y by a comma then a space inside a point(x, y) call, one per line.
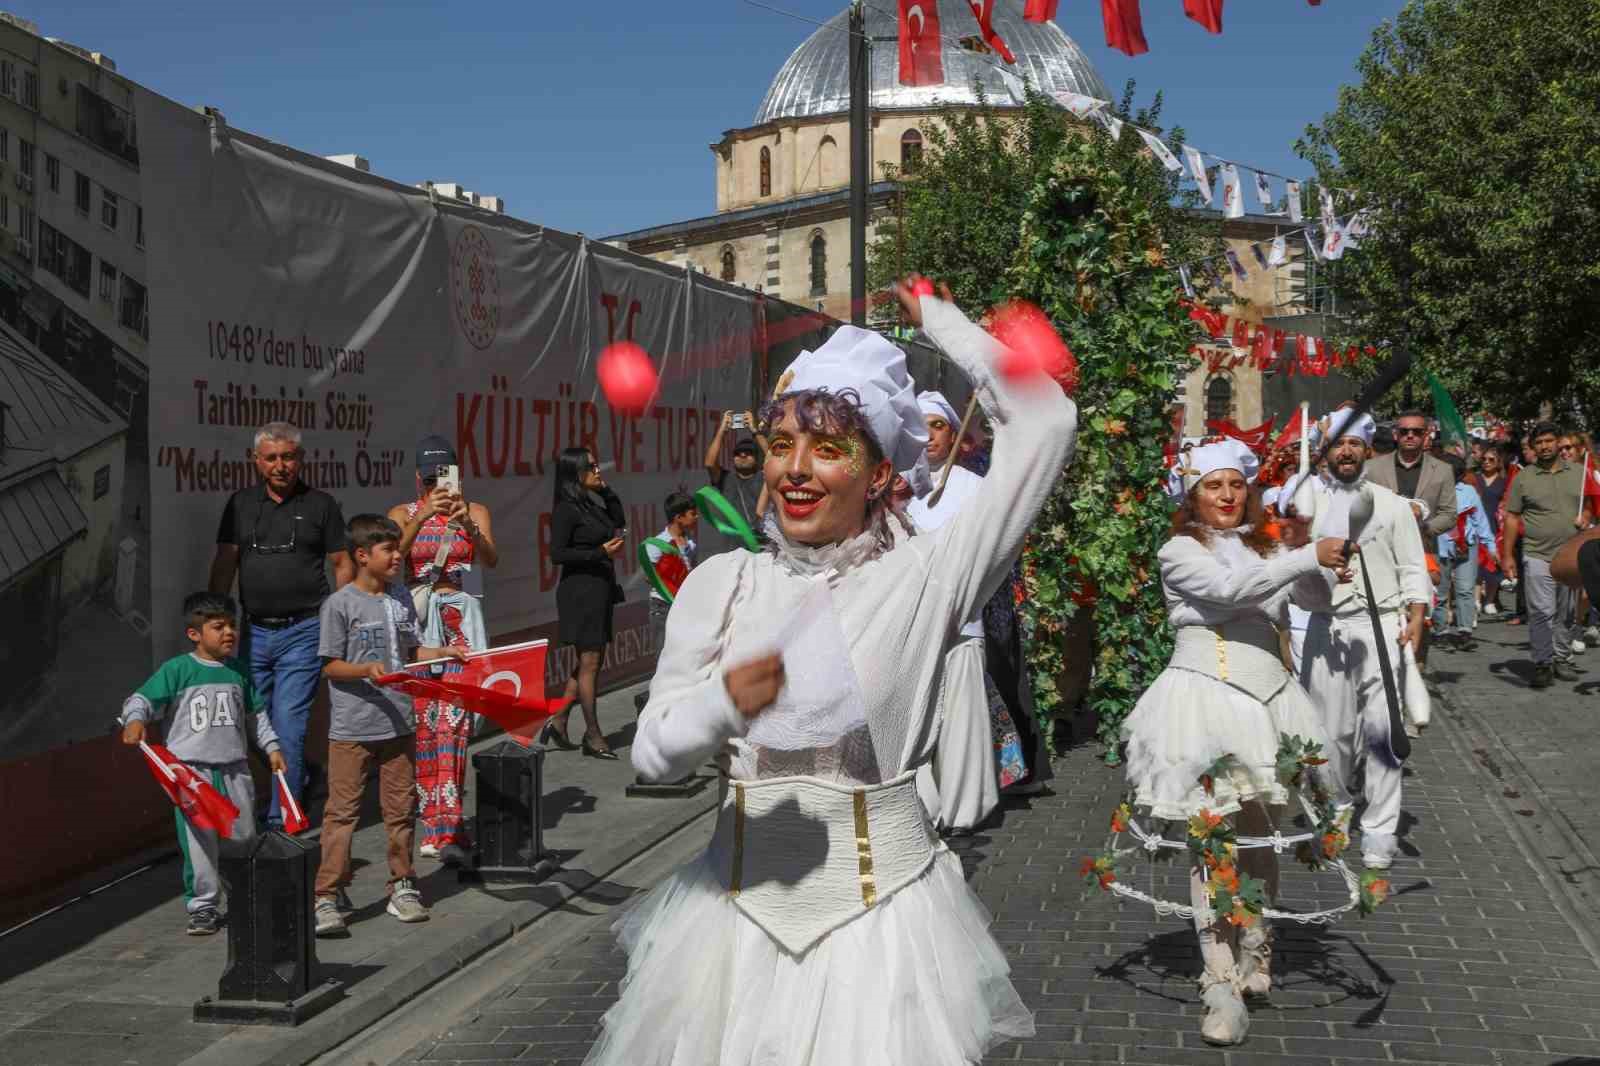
point(802, 560)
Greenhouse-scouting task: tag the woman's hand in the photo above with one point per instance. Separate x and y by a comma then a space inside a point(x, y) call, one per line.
point(911, 300)
point(439, 501)
point(752, 686)
point(1331, 553)
point(612, 547)
point(1296, 530)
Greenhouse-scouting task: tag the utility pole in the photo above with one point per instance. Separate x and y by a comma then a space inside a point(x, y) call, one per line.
point(860, 158)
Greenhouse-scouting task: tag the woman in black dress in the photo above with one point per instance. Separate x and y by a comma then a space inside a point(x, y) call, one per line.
point(585, 536)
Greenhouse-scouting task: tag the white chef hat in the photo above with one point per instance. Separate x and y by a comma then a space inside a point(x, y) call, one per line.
point(1363, 426)
point(874, 369)
point(934, 403)
point(1209, 458)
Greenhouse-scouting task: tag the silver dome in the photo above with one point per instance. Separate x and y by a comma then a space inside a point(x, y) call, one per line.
point(815, 80)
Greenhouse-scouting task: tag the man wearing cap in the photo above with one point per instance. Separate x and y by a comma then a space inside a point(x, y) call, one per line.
point(742, 486)
point(1340, 667)
point(278, 537)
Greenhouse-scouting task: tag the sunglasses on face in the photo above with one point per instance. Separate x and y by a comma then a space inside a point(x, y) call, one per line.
point(1409, 431)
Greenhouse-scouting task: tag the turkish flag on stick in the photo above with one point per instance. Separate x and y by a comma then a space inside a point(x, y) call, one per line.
point(1124, 27)
point(921, 49)
point(505, 685)
point(1206, 12)
point(1041, 10)
point(294, 819)
point(983, 11)
point(202, 805)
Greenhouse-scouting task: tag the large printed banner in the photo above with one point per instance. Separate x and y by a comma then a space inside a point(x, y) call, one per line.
point(284, 287)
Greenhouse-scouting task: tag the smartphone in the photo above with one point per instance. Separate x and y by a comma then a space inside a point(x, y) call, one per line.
point(738, 422)
point(450, 479)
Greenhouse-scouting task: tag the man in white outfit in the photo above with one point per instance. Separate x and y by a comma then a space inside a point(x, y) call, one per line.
point(959, 787)
point(1340, 667)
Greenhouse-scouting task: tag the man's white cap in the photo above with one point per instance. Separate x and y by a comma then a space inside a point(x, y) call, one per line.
point(933, 403)
point(1363, 427)
point(874, 369)
point(1207, 459)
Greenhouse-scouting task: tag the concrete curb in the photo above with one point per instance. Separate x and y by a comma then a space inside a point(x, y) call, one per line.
point(254, 1047)
point(1533, 837)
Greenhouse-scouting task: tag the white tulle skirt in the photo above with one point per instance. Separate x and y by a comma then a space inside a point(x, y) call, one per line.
point(1186, 721)
point(916, 981)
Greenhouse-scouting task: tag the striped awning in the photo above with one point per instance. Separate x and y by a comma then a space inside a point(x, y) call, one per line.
point(38, 517)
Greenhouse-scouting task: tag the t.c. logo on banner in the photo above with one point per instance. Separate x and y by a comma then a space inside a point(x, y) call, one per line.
point(475, 280)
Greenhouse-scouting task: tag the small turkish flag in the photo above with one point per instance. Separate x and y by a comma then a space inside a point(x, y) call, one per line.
point(294, 819)
point(202, 805)
point(983, 11)
point(1040, 10)
point(921, 48)
point(505, 685)
point(1124, 26)
point(1206, 12)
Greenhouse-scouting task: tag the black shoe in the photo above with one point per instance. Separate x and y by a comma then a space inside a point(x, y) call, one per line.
point(1542, 677)
point(1566, 672)
point(597, 753)
point(551, 735)
point(204, 922)
point(454, 856)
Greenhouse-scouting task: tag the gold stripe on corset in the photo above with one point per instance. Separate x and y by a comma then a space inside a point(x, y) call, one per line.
point(1222, 655)
point(869, 887)
point(737, 875)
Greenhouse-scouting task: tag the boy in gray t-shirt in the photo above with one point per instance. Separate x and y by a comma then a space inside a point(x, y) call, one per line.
point(370, 629)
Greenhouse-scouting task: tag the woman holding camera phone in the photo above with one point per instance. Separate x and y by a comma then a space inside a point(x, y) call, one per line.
point(586, 535)
point(442, 537)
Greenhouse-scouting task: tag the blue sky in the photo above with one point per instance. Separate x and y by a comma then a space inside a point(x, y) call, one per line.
point(596, 116)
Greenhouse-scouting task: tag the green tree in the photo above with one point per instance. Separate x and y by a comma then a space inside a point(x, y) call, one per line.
point(1045, 208)
point(1473, 139)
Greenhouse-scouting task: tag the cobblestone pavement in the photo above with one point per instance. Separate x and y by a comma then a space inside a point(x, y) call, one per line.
point(1478, 958)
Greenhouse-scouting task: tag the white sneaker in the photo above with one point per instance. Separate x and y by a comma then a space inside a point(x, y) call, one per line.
point(1377, 850)
point(1579, 645)
point(428, 851)
point(405, 902)
point(1490, 610)
point(1226, 1022)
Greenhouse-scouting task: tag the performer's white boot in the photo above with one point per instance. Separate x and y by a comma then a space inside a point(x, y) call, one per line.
point(1378, 850)
point(1226, 1021)
point(1254, 954)
point(1255, 960)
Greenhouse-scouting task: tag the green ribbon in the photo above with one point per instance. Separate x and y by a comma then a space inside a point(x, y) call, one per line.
point(649, 567)
point(725, 518)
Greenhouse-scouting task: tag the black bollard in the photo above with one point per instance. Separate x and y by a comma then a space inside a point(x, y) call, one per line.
point(509, 833)
point(272, 955)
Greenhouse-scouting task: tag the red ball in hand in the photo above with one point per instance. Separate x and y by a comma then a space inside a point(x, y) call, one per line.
point(921, 286)
point(627, 377)
point(1033, 346)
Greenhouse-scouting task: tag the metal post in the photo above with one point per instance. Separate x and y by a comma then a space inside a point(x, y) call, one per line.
point(860, 158)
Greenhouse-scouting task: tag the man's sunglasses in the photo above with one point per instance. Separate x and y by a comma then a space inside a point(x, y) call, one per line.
point(1410, 431)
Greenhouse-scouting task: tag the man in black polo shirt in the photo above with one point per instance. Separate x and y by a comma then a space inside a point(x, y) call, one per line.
point(277, 536)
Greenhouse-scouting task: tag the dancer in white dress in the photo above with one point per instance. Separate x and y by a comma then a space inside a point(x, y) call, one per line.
point(1225, 701)
point(826, 925)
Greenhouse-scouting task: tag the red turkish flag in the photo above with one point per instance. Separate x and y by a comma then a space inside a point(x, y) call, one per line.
point(983, 11)
point(294, 818)
point(202, 805)
point(1040, 10)
point(1291, 431)
point(921, 49)
point(1124, 27)
point(505, 685)
point(1206, 12)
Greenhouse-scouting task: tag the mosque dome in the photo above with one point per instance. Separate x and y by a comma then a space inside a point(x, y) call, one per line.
point(815, 80)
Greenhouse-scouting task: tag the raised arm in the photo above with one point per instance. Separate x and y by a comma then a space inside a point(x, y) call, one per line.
point(1191, 571)
point(1035, 430)
point(691, 714)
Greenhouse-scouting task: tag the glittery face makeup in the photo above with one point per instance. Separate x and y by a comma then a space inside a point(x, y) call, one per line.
point(819, 482)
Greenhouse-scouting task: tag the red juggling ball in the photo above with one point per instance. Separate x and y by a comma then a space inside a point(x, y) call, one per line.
point(627, 377)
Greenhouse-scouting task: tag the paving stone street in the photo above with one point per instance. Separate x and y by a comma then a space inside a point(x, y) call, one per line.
point(1484, 955)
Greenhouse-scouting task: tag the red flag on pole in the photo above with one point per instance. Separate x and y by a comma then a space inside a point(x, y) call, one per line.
point(202, 805)
point(1206, 12)
point(505, 685)
point(294, 819)
point(921, 48)
point(1291, 431)
point(983, 11)
point(1040, 10)
point(1124, 27)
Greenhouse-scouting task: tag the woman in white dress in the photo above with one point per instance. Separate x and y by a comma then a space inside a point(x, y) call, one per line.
point(1226, 693)
point(826, 925)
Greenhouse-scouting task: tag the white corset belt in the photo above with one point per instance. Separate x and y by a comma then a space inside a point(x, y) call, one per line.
point(801, 856)
point(1242, 654)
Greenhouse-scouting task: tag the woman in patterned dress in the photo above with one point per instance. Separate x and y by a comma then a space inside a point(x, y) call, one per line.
point(441, 521)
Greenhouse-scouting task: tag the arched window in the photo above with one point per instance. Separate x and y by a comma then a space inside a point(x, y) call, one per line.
point(819, 264)
point(728, 264)
point(910, 151)
point(1219, 398)
point(828, 163)
point(766, 172)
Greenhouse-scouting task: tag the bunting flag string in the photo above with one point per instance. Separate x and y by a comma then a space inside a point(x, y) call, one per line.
point(1237, 341)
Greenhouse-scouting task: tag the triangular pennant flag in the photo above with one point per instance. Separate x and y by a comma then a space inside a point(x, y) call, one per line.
point(1280, 252)
point(1197, 170)
point(1333, 242)
point(294, 819)
point(1079, 104)
point(1159, 149)
point(1356, 228)
point(1325, 197)
point(1263, 190)
point(1232, 194)
point(1291, 194)
point(1112, 123)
